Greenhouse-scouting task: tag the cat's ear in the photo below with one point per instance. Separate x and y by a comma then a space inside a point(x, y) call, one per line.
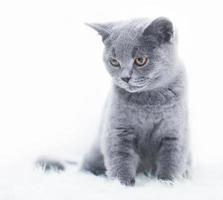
point(103, 29)
point(161, 29)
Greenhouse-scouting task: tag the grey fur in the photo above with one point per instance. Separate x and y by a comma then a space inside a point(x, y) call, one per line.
point(48, 164)
point(144, 126)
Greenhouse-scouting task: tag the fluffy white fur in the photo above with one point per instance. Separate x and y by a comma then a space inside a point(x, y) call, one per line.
point(23, 182)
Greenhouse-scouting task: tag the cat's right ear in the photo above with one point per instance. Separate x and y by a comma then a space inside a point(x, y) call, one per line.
point(103, 29)
point(161, 29)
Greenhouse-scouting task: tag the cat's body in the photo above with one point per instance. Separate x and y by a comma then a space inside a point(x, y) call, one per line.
point(144, 124)
point(144, 128)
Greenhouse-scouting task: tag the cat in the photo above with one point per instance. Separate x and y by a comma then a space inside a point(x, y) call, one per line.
point(144, 126)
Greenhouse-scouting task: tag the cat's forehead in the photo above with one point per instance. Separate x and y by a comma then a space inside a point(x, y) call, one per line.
point(126, 36)
point(129, 30)
point(123, 48)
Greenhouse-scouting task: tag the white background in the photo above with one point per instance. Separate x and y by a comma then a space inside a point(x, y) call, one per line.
point(53, 83)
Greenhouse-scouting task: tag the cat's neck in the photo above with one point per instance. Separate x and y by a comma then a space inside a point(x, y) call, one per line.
point(173, 91)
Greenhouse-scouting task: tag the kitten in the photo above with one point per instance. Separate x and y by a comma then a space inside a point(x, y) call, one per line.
point(144, 127)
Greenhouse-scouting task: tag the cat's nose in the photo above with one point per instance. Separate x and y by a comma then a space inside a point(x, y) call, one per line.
point(126, 79)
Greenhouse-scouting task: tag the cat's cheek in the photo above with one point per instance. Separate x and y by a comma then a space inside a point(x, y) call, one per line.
point(114, 73)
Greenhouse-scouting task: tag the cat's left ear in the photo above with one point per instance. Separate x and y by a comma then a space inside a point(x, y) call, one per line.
point(161, 29)
point(103, 29)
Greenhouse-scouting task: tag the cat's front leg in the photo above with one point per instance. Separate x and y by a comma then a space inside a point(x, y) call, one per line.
point(171, 158)
point(121, 159)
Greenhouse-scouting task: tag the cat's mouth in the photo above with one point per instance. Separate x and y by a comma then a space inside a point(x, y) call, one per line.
point(133, 87)
point(140, 85)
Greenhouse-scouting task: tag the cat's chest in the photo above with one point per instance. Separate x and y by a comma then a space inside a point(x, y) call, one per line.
point(142, 117)
point(141, 111)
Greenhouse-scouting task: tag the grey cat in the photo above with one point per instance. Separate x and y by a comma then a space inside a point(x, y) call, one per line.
point(144, 125)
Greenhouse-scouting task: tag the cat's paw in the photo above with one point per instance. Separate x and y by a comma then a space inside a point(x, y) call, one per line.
point(123, 175)
point(47, 165)
point(127, 182)
point(166, 178)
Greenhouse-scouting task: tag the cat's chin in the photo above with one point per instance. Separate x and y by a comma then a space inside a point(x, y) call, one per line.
point(134, 89)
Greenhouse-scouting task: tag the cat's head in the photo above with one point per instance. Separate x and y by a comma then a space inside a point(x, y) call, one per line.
point(139, 54)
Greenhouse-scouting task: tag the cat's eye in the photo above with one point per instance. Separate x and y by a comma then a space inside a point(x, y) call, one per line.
point(141, 61)
point(114, 62)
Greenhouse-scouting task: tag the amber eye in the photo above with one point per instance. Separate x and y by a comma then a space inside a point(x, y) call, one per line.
point(114, 62)
point(140, 61)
